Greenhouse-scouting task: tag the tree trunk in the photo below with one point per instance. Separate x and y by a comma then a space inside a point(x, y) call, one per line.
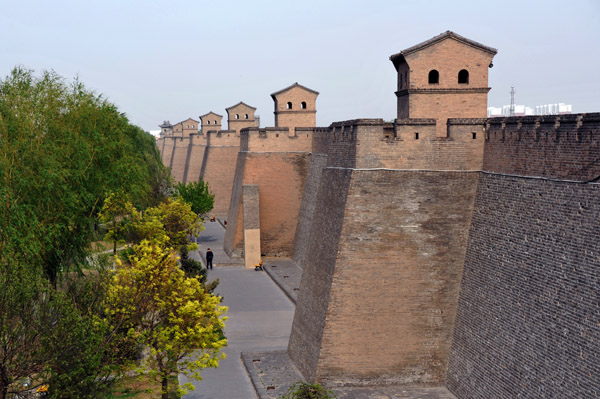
point(165, 387)
point(115, 247)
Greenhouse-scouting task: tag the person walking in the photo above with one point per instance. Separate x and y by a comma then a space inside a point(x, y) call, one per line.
point(209, 258)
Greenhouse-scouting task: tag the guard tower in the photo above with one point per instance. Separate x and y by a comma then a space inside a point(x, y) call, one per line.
point(211, 121)
point(443, 77)
point(166, 129)
point(240, 116)
point(295, 106)
point(186, 127)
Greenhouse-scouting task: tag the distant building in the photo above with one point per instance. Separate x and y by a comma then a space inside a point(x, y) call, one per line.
point(522, 110)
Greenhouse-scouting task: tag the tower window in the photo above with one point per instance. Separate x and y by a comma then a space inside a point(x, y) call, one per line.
point(237, 116)
point(434, 77)
point(463, 76)
point(416, 135)
point(303, 105)
point(474, 135)
point(208, 122)
point(245, 116)
point(289, 105)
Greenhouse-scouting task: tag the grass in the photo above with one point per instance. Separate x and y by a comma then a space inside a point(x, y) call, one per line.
point(134, 387)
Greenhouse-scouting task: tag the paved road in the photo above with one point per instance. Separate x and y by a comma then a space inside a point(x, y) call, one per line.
point(212, 237)
point(260, 319)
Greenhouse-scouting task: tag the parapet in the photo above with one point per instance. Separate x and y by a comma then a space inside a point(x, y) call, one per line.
point(276, 139)
point(560, 147)
point(406, 144)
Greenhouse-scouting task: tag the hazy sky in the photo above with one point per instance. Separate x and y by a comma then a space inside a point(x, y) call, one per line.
point(160, 60)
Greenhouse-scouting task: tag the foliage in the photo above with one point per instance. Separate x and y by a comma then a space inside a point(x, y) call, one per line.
point(116, 215)
point(198, 195)
point(181, 324)
point(193, 268)
point(173, 218)
point(304, 390)
point(63, 148)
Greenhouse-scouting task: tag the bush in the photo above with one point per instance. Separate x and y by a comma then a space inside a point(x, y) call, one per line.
point(304, 390)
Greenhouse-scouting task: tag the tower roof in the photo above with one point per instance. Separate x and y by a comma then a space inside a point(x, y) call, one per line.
point(210, 113)
point(240, 103)
point(399, 57)
point(273, 95)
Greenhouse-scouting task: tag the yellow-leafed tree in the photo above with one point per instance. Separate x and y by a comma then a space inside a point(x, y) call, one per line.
point(180, 324)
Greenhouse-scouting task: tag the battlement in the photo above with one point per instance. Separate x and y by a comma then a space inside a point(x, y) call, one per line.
point(407, 144)
point(563, 147)
point(276, 139)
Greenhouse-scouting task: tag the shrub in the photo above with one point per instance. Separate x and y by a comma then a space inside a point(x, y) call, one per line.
point(304, 390)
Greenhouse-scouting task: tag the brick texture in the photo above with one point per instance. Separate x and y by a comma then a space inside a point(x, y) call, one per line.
point(394, 273)
point(565, 147)
point(280, 177)
point(528, 323)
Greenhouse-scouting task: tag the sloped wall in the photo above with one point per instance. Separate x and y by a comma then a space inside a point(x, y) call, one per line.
point(528, 323)
point(378, 298)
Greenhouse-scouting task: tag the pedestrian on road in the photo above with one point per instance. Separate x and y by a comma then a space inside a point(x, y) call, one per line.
point(209, 258)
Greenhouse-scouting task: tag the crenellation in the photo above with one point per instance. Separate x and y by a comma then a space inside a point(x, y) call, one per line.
point(412, 233)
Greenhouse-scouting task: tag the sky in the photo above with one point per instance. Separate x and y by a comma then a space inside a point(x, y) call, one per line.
point(170, 60)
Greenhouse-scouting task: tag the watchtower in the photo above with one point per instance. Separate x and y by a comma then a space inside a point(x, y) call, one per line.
point(240, 116)
point(211, 121)
point(166, 129)
point(443, 77)
point(295, 106)
point(185, 128)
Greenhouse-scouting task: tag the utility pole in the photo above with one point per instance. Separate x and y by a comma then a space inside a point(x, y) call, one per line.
point(512, 101)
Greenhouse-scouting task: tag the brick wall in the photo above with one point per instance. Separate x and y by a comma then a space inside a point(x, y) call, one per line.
point(565, 147)
point(195, 157)
point(179, 157)
point(407, 144)
point(394, 272)
point(280, 177)
point(167, 151)
point(528, 324)
point(313, 300)
point(316, 164)
point(272, 139)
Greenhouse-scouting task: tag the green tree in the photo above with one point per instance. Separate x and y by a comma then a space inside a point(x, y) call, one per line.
point(198, 195)
point(172, 315)
point(116, 214)
point(63, 149)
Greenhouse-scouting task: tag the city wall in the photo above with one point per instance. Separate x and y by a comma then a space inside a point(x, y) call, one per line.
point(383, 266)
point(209, 156)
point(528, 322)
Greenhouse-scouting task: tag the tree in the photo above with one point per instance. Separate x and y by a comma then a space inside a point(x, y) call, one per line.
point(63, 148)
point(116, 214)
point(193, 268)
point(172, 218)
point(172, 315)
point(198, 195)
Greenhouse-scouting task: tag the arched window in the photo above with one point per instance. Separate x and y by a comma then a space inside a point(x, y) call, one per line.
point(463, 76)
point(237, 116)
point(303, 105)
point(289, 105)
point(434, 77)
point(208, 122)
point(245, 116)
